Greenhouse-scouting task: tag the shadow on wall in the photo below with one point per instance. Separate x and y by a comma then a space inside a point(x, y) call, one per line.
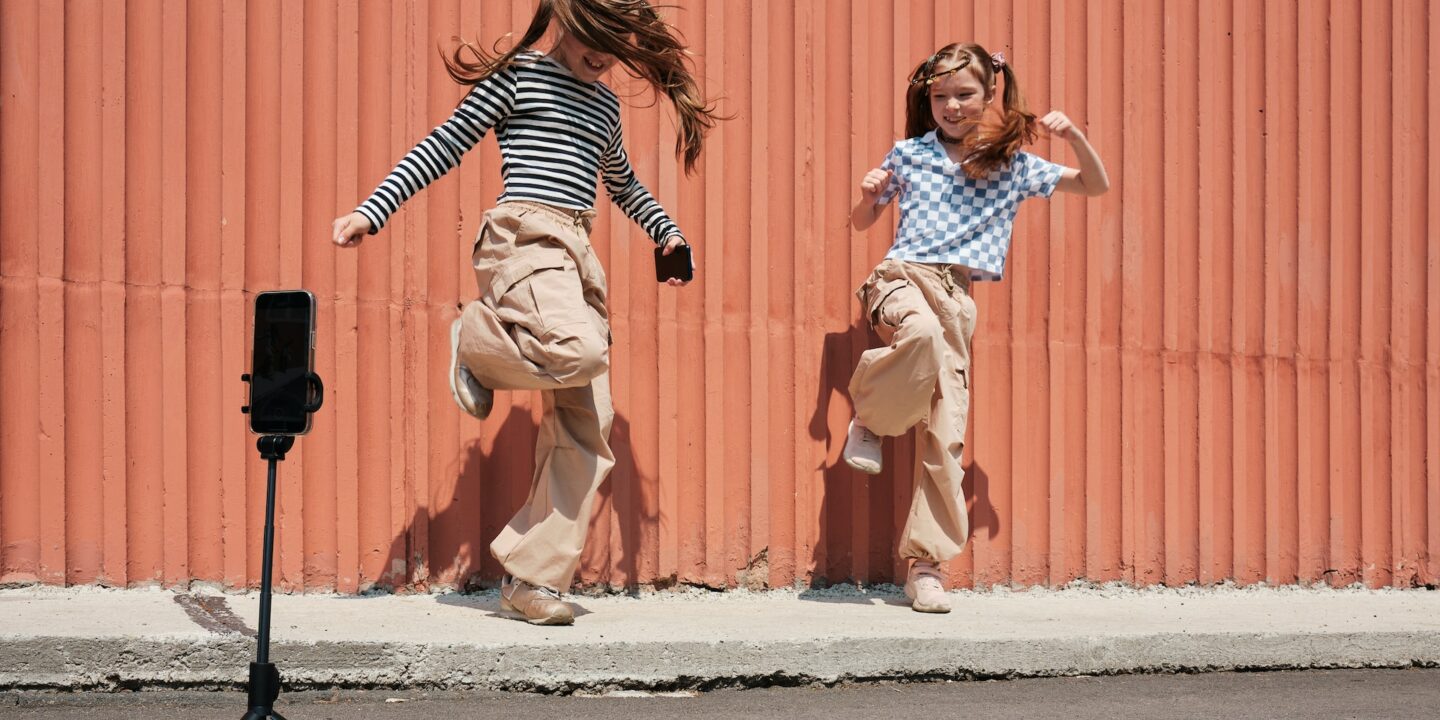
point(451, 547)
point(629, 502)
point(862, 516)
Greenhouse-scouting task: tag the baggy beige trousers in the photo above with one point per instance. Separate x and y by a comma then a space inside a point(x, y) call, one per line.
point(541, 324)
point(926, 317)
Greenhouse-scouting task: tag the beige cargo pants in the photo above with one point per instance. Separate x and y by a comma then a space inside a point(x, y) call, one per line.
point(541, 324)
point(926, 317)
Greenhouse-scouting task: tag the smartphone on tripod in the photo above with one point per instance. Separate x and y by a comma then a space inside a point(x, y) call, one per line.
point(283, 362)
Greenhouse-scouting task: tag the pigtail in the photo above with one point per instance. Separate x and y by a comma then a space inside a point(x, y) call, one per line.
point(995, 142)
point(917, 110)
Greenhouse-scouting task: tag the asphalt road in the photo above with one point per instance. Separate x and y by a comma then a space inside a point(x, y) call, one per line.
point(1331, 694)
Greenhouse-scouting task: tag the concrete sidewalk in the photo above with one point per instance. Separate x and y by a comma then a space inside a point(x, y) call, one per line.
point(82, 638)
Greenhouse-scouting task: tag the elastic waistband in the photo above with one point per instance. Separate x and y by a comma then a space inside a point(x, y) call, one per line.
point(583, 218)
point(953, 276)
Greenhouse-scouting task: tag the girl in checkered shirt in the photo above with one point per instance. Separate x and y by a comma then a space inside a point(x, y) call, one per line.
point(959, 176)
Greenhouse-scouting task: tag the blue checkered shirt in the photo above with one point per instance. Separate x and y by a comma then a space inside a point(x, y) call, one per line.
point(948, 217)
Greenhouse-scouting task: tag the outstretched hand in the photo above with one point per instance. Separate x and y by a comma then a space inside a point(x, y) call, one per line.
point(348, 231)
point(1089, 179)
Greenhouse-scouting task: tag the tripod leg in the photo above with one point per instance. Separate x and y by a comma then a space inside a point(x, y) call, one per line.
point(264, 688)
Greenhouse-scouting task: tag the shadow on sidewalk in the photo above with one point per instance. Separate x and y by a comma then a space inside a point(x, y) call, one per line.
point(875, 595)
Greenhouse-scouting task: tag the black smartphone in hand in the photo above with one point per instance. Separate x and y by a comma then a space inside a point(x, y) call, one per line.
point(676, 265)
point(282, 363)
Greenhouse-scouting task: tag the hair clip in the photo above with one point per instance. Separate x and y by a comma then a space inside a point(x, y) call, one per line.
point(997, 61)
point(932, 79)
point(924, 75)
point(922, 72)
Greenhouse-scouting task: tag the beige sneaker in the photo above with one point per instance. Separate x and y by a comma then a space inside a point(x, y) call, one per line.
point(926, 589)
point(862, 449)
point(469, 394)
point(539, 605)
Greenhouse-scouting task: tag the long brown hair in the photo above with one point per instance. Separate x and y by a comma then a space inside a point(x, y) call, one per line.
point(995, 141)
point(655, 55)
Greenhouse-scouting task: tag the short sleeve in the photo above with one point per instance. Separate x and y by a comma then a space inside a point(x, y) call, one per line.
point(894, 162)
point(1036, 176)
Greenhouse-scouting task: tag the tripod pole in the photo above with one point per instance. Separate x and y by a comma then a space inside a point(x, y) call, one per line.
point(264, 677)
point(267, 565)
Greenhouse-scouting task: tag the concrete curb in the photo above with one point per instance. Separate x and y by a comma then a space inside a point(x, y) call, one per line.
point(90, 638)
point(69, 663)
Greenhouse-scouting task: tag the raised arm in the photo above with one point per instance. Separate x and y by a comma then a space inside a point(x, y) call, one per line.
point(1090, 178)
point(871, 204)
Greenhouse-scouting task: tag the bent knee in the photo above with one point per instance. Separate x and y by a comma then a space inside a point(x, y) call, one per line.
point(592, 355)
point(923, 328)
point(579, 357)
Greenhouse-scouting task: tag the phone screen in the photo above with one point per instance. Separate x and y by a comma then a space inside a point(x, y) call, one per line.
point(282, 361)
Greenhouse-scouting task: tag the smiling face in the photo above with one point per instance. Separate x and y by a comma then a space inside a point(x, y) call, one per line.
point(957, 101)
point(586, 64)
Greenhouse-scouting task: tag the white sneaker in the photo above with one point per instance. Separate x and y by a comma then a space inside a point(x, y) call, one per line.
point(925, 589)
point(469, 394)
point(862, 449)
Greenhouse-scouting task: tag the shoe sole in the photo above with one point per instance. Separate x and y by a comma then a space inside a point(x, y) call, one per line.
point(454, 363)
point(863, 466)
point(934, 609)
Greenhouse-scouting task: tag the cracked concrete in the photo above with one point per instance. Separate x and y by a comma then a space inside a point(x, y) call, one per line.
point(89, 638)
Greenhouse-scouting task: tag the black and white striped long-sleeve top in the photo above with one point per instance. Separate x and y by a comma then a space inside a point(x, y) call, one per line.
point(556, 135)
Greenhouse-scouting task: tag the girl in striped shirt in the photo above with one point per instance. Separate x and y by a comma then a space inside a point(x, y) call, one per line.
point(540, 321)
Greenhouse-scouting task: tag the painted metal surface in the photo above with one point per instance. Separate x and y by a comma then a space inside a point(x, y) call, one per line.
point(1228, 368)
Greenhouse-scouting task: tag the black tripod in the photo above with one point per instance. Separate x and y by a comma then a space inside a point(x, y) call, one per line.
point(264, 677)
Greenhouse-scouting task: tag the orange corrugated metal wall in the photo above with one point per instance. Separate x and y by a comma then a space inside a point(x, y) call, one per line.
point(1226, 368)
